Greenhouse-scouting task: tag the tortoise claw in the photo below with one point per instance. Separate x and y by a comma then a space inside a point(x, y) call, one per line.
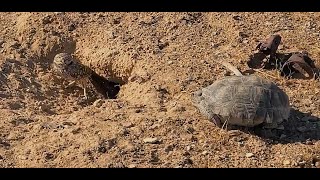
point(217, 121)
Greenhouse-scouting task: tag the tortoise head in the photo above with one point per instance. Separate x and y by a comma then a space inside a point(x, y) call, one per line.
point(197, 97)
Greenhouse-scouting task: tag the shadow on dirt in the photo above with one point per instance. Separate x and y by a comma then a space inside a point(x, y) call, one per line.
point(300, 128)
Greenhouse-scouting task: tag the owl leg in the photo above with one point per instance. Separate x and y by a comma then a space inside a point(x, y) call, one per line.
point(85, 92)
point(84, 87)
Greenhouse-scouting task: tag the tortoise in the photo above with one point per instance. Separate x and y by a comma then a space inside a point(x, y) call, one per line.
point(243, 100)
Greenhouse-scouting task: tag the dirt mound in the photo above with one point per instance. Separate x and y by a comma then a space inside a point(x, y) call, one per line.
point(160, 59)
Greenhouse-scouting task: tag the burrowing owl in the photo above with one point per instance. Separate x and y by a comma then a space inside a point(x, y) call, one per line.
point(73, 70)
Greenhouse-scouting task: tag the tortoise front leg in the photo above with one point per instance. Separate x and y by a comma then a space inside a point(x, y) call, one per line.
point(216, 120)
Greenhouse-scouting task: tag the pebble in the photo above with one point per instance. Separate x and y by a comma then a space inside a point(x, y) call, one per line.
point(189, 129)
point(15, 44)
point(132, 166)
point(178, 109)
point(317, 164)
point(46, 20)
point(286, 162)
point(205, 153)
point(151, 140)
point(308, 142)
point(22, 157)
point(170, 62)
point(245, 41)
point(76, 130)
point(71, 27)
point(234, 132)
point(268, 23)
point(249, 155)
point(48, 156)
point(98, 103)
point(168, 148)
point(102, 149)
point(154, 126)
point(302, 163)
point(59, 13)
point(127, 124)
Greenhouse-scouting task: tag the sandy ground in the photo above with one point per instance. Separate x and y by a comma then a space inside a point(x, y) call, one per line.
point(160, 58)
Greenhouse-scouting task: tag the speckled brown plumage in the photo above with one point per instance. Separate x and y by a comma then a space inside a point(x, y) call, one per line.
point(73, 70)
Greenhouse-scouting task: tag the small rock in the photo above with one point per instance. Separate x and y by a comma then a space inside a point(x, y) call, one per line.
point(71, 27)
point(286, 162)
point(137, 110)
point(308, 142)
point(98, 103)
point(189, 129)
point(170, 62)
point(44, 108)
point(132, 166)
point(249, 155)
point(108, 143)
point(268, 23)
point(154, 126)
point(245, 41)
point(47, 20)
point(187, 161)
point(168, 148)
point(127, 124)
point(48, 156)
point(151, 140)
point(178, 109)
point(14, 45)
point(315, 159)
point(302, 163)
point(243, 35)
point(237, 17)
point(59, 13)
point(186, 153)
point(205, 153)
point(302, 129)
point(54, 33)
point(11, 136)
point(102, 149)
point(76, 130)
point(234, 132)
point(22, 157)
point(129, 146)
